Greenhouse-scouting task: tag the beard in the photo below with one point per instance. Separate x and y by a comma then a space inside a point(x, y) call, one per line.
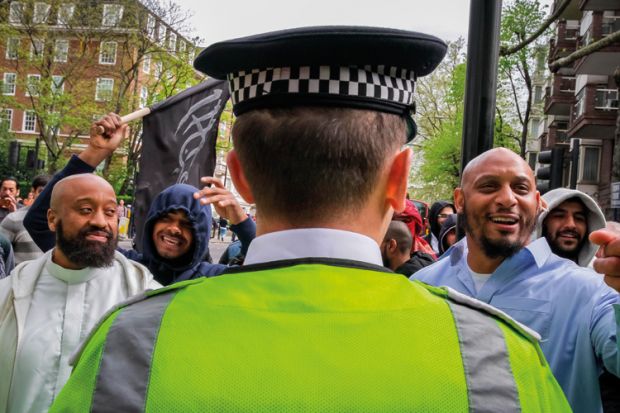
point(86, 253)
point(498, 248)
point(557, 249)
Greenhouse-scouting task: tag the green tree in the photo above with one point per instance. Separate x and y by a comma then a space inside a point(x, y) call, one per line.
point(520, 21)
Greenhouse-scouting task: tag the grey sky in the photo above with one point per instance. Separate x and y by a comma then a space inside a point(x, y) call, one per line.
point(215, 21)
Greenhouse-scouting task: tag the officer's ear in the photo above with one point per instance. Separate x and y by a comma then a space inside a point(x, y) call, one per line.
point(238, 177)
point(459, 200)
point(398, 177)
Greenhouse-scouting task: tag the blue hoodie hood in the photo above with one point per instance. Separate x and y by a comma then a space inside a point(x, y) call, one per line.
point(179, 197)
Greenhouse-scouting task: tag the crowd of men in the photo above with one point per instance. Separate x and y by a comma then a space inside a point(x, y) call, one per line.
point(512, 317)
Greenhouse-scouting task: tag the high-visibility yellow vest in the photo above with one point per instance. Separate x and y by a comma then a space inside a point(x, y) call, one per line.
point(309, 335)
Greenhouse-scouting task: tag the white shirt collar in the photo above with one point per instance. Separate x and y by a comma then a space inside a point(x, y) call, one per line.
point(313, 242)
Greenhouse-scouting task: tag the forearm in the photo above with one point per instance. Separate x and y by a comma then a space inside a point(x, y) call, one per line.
point(246, 231)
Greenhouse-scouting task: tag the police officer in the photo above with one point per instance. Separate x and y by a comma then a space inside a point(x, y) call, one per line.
point(313, 322)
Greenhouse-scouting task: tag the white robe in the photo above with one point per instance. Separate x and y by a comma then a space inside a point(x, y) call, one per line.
point(45, 311)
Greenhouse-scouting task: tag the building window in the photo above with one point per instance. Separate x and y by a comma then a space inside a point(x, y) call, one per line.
point(12, 48)
point(32, 85)
point(161, 34)
point(146, 64)
point(16, 12)
point(107, 53)
point(172, 42)
point(591, 162)
point(150, 26)
point(30, 121)
point(580, 106)
point(112, 15)
point(57, 85)
point(41, 13)
point(159, 68)
point(190, 56)
point(65, 14)
point(182, 46)
point(61, 50)
point(538, 94)
point(6, 119)
point(104, 89)
point(606, 99)
point(8, 85)
point(144, 96)
point(36, 49)
point(532, 157)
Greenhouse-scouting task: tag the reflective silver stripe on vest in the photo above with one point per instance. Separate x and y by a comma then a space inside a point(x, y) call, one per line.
point(490, 384)
point(124, 371)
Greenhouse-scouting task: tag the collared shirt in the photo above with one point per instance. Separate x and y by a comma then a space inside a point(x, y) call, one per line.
point(65, 305)
point(313, 242)
point(569, 306)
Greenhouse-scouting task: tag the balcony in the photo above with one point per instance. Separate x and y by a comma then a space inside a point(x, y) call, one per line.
point(565, 40)
point(604, 61)
point(560, 96)
point(598, 5)
point(558, 134)
point(594, 113)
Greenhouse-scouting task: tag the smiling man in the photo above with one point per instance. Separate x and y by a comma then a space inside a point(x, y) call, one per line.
point(176, 241)
point(571, 309)
point(48, 305)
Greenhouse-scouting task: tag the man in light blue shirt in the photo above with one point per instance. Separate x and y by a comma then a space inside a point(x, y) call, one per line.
point(576, 313)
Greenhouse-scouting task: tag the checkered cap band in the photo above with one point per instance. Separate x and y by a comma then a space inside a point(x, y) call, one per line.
point(383, 83)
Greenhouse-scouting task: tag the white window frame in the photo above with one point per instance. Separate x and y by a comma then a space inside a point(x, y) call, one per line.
point(16, 12)
point(33, 48)
point(61, 50)
point(56, 79)
point(5, 83)
point(8, 119)
point(99, 89)
point(161, 34)
point(12, 48)
point(104, 58)
point(33, 120)
point(159, 69)
point(112, 15)
point(65, 13)
point(146, 64)
point(172, 42)
point(28, 85)
point(40, 13)
point(589, 144)
point(190, 55)
point(151, 22)
point(144, 96)
point(182, 46)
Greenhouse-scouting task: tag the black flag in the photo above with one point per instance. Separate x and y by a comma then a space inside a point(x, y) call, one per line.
point(178, 144)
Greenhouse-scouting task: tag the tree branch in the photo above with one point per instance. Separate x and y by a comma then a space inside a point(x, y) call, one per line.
point(584, 51)
point(507, 51)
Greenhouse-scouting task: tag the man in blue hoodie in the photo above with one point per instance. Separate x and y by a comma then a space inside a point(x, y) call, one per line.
point(176, 242)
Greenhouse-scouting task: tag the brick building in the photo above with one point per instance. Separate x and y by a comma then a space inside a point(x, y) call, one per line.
point(64, 63)
point(580, 105)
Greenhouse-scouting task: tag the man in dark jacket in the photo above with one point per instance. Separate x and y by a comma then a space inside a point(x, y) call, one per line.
point(447, 234)
point(396, 247)
point(438, 213)
point(176, 241)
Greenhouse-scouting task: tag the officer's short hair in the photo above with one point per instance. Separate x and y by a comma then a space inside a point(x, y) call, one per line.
point(306, 161)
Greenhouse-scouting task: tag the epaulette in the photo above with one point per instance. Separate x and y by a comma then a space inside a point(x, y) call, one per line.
point(475, 304)
point(145, 295)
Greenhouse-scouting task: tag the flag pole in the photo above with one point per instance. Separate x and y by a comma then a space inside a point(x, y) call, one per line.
point(138, 114)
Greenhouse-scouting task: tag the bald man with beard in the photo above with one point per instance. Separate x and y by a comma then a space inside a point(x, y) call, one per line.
point(573, 311)
point(48, 305)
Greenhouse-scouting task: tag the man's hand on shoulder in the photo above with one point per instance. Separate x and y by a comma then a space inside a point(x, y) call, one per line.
point(225, 203)
point(102, 145)
point(608, 256)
